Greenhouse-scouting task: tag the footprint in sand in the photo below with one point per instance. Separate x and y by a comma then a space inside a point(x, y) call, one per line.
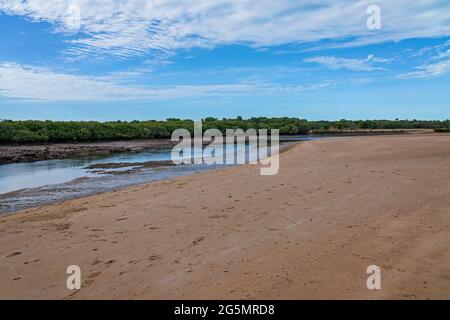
point(217, 216)
point(15, 253)
point(198, 240)
point(154, 257)
point(95, 262)
point(90, 279)
point(110, 262)
point(32, 261)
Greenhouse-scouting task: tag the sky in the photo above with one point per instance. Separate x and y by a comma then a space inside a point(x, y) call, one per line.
point(137, 60)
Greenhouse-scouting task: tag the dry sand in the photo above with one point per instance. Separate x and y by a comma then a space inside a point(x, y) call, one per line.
point(336, 207)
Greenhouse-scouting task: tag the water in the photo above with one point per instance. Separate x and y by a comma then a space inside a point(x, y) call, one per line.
point(18, 176)
point(24, 185)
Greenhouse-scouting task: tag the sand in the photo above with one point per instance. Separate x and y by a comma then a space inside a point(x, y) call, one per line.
point(337, 206)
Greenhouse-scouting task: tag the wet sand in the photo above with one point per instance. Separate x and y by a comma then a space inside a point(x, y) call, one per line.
point(337, 206)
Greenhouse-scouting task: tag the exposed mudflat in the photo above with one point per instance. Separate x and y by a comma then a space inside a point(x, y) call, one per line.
point(29, 153)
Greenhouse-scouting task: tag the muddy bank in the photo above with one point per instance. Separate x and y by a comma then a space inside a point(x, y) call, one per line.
point(130, 167)
point(30, 153)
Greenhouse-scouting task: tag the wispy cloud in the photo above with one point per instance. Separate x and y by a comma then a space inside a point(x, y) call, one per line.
point(42, 84)
point(336, 63)
point(429, 50)
point(27, 82)
point(437, 65)
point(138, 27)
point(428, 70)
point(443, 55)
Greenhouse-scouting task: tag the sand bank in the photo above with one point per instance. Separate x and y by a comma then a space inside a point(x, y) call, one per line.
point(336, 207)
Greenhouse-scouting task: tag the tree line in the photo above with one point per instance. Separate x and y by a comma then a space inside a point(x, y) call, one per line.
point(32, 131)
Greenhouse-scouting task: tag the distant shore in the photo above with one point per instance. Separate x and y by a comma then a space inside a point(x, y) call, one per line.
point(18, 153)
point(37, 152)
point(336, 207)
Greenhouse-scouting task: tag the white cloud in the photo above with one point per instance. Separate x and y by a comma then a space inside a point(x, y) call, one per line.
point(25, 82)
point(430, 50)
point(428, 70)
point(42, 84)
point(438, 64)
point(443, 55)
point(336, 63)
point(145, 27)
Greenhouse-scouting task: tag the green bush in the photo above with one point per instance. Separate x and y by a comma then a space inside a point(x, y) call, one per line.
point(68, 131)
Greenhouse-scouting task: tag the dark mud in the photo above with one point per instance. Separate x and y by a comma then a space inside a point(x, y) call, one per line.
point(31, 153)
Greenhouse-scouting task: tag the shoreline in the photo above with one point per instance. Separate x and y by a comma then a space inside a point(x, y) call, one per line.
point(337, 206)
point(38, 152)
point(132, 170)
point(23, 153)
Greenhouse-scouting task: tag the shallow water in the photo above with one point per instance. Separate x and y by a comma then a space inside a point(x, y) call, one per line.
point(18, 176)
point(25, 185)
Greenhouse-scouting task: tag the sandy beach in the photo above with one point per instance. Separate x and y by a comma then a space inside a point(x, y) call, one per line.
point(337, 206)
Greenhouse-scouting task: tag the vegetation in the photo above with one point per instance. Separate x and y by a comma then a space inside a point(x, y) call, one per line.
point(442, 130)
point(59, 131)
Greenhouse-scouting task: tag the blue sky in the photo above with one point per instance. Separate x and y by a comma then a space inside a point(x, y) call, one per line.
point(136, 59)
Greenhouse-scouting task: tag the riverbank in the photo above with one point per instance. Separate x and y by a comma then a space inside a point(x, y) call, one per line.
point(38, 152)
point(336, 207)
point(32, 184)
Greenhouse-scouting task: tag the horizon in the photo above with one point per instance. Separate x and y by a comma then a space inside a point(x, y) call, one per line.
point(232, 118)
point(78, 60)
